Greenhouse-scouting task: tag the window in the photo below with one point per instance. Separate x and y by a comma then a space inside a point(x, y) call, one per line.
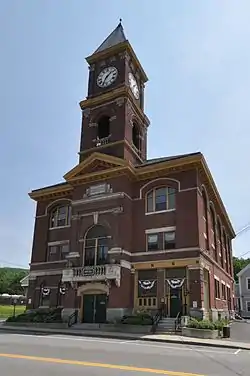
point(96, 246)
point(60, 217)
point(223, 291)
point(248, 306)
point(248, 283)
point(153, 242)
point(213, 233)
point(217, 288)
point(103, 127)
point(205, 217)
point(160, 199)
point(169, 240)
point(58, 252)
point(136, 137)
point(161, 241)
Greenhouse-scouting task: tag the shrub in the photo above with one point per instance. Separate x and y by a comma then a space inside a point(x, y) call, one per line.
point(139, 318)
point(50, 315)
point(201, 324)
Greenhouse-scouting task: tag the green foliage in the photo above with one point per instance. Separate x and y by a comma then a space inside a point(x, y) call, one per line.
point(140, 318)
point(10, 280)
point(7, 310)
point(201, 324)
point(239, 264)
point(40, 315)
point(220, 324)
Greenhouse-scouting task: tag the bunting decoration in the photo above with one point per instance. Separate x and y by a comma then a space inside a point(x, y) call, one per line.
point(62, 290)
point(175, 283)
point(147, 284)
point(45, 291)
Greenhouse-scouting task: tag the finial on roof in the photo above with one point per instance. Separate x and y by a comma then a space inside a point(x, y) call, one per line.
point(120, 21)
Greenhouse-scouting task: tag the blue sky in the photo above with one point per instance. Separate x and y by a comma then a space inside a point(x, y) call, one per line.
point(197, 57)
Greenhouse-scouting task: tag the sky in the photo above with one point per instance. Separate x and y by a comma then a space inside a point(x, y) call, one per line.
point(197, 57)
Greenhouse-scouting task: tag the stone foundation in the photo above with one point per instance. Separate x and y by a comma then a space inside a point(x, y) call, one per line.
point(200, 333)
point(114, 314)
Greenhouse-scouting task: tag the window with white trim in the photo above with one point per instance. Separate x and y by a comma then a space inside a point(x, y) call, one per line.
point(153, 242)
point(217, 288)
point(58, 252)
point(248, 283)
point(161, 241)
point(60, 217)
point(223, 291)
point(248, 306)
point(160, 199)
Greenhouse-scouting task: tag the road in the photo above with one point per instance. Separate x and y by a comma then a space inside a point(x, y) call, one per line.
point(63, 355)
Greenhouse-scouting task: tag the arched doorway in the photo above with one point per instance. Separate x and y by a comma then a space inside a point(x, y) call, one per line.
point(93, 303)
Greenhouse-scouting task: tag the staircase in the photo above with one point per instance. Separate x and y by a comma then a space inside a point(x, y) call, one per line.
point(166, 325)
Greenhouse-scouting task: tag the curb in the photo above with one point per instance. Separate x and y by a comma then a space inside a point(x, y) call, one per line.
point(127, 338)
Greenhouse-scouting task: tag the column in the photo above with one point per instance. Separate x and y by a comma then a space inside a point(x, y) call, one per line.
point(195, 291)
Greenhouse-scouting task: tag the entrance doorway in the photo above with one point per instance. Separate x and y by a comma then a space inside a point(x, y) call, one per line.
point(175, 301)
point(94, 308)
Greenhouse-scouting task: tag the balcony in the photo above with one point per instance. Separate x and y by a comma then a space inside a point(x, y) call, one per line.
point(102, 141)
point(93, 273)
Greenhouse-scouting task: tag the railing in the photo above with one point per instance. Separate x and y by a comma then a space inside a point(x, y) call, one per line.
point(102, 141)
point(177, 322)
point(156, 320)
point(73, 318)
point(88, 271)
point(92, 273)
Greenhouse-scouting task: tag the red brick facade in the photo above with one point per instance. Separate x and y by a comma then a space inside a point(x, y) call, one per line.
point(124, 232)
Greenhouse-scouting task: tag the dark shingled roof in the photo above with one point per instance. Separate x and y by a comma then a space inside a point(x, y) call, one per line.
point(117, 36)
point(165, 159)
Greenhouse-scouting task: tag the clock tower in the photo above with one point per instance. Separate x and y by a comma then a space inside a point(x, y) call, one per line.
point(113, 118)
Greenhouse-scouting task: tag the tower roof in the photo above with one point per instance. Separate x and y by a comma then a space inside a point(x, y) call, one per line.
point(117, 36)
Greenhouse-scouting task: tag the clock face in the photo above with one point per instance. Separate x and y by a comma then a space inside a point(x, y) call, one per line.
point(133, 85)
point(107, 76)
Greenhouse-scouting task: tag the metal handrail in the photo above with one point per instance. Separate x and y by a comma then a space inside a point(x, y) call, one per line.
point(177, 321)
point(73, 318)
point(156, 320)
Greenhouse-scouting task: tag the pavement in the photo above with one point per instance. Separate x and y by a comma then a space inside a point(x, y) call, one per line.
point(53, 355)
point(160, 338)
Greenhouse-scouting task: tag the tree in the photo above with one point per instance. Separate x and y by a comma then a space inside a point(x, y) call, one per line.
point(239, 264)
point(10, 280)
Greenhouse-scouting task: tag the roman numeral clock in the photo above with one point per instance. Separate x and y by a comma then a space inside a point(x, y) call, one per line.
point(109, 75)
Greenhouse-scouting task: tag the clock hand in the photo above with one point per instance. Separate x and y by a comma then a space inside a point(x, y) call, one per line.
point(107, 76)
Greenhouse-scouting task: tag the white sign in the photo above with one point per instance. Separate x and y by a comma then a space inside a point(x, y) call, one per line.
point(97, 189)
point(195, 305)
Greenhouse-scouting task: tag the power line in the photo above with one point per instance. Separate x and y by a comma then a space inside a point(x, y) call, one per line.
point(10, 263)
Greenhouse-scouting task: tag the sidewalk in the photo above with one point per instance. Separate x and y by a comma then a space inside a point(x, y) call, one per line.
point(162, 338)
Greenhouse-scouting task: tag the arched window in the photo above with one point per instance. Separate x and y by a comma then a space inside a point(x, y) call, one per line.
point(160, 199)
point(213, 233)
point(136, 136)
point(103, 127)
point(60, 217)
point(96, 246)
point(205, 218)
point(220, 242)
point(225, 250)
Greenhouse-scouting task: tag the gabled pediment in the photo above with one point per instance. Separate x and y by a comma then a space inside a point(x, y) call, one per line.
point(96, 162)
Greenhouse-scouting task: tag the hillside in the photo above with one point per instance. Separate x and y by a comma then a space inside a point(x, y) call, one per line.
point(10, 280)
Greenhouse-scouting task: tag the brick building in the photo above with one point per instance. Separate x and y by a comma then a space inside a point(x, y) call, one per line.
point(124, 232)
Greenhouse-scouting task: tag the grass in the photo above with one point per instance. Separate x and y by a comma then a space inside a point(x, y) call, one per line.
point(7, 310)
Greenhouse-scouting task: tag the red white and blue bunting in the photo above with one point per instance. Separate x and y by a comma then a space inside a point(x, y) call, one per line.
point(147, 284)
point(45, 291)
point(175, 283)
point(62, 290)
